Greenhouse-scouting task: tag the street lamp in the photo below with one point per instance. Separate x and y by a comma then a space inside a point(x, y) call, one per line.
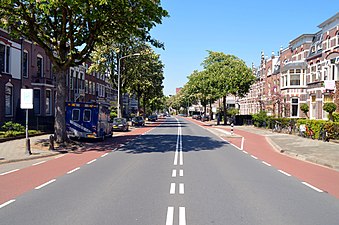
point(135, 54)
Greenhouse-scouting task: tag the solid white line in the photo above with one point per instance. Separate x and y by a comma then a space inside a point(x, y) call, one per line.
point(181, 189)
point(92, 161)
point(175, 157)
point(104, 155)
point(181, 173)
point(38, 163)
point(45, 184)
point(182, 216)
point(245, 152)
point(12, 171)
point(174, 173)
point(7, 203)
point(314, 188)
point(283, 172)
point(267, 164)
point(169, 217)
point(254, 157)
point(69, 172)
point(59, 156)
point(172, 189)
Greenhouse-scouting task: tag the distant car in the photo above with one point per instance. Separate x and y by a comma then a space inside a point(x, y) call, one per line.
point(120, 124)
point(138, 121)
point(153, 118)
point(194, 116)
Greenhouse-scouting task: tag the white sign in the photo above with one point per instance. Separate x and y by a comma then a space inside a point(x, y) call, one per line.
point(26, 99)
point(329, 84)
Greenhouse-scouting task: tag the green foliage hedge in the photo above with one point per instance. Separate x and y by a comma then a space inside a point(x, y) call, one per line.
point(11, 126)
point(262, 120)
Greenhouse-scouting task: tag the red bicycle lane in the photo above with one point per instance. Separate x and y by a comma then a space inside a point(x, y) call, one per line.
point(26, 179)
point(318, 176)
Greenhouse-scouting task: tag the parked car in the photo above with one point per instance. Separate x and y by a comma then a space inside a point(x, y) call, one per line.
point(138, 121)
point(205, 118)
point(120, 124)
point(153, 118)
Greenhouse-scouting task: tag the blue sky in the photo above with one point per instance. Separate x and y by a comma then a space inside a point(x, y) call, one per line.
point(241, 27)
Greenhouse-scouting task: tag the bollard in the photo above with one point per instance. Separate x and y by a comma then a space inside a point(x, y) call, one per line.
point(231, 128)
point(51, 142)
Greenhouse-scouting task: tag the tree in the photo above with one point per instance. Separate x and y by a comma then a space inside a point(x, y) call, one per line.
point(230, 74)
point(69, 30)
point(330, 107)
point(305, 108)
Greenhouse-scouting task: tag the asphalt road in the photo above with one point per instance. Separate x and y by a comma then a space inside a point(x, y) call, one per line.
point(176, 174)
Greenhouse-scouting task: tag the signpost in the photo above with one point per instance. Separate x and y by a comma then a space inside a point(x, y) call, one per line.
point(26, 102)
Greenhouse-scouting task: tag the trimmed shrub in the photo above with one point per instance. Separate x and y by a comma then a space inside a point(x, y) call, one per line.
point(10, 126)
point(260, 119)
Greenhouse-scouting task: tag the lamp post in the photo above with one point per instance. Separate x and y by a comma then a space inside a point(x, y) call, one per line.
point(119, 61)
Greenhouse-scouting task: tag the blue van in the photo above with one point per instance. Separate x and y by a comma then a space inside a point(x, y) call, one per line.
point(88, 120)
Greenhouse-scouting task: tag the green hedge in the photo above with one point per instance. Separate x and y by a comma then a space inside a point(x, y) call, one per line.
point(332, 128)
point(13, 133)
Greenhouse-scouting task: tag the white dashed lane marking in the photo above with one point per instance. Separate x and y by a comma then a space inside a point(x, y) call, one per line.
point(12, 171)
point(7, 203)
point(45, 184)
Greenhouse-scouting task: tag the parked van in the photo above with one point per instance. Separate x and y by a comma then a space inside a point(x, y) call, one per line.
point(88, 120)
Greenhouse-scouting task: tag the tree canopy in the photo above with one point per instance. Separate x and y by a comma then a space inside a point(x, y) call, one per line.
point(69, 30)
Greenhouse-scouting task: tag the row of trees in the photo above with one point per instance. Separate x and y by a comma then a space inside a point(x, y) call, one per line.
point(141, 75)
point(222, 75)
point(69, 31)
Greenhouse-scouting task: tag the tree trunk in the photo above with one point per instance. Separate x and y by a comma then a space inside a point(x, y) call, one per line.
point(60, 114)
point(224, 108)
point(211, 112)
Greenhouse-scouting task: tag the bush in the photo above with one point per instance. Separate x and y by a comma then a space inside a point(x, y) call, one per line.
point(260, 119)
point(330, 107)
point(10, 126)
point(13, 133)
point(335, 117)
point(305, 108)
point(332, 128)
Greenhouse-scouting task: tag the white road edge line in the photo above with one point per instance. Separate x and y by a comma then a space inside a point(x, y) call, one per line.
point(59, 156)
point(181, 173)
point(172, 189)
point(283, 172)
point(45, 184)
point(311, 186)
point(104, 155)
point(72, 171)
point(254, 157)
point(182, 216)
point(38, 163)
point(170, 214)
point(12, 171)
point(267, 164)
point(181, 189)
point(245, 152)
point(174, 173)
point(92, 161)
point(7, 203)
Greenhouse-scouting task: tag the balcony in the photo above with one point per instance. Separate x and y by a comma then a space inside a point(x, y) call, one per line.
point(42, 80)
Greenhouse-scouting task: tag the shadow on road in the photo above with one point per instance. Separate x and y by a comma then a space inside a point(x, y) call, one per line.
point(167, 143)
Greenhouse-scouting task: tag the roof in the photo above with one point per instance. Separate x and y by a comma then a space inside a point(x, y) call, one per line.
point(294, 65)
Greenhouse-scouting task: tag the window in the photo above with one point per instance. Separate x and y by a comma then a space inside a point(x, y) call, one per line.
point(71, 79)
point(86, 86)
point(48, 102)
point(295, 107)
point(9, 99)
point(4, 58)
point(295, 77)
point(90, 87)
point(76, 114)
point(313, 108)
point(36, 101)
point(25, 65)
point(39, 66)
point(87, 115)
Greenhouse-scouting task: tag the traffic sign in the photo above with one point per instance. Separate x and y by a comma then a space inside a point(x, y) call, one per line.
point(26, 99)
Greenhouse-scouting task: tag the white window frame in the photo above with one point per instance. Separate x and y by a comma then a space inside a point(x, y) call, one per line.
point(48, 109)
point(42, 65)
point(9, 85)
point(293, 104)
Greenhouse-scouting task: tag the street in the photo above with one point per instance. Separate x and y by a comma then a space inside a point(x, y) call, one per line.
point(177, 173)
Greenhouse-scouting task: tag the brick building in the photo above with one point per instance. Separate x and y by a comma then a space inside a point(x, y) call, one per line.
point(307, 71)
